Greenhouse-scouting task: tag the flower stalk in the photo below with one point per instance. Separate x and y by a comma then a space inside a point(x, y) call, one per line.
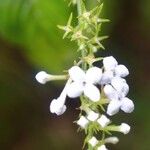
point(102, 90)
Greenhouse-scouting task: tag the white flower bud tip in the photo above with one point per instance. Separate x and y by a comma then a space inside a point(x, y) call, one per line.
point(82, 122)
point(113, 140)
point(109, 63)
point(102, 147)
point(93, 141)
point(42, 77)
point(92, 116)
point(103, 121)
point(57, 107)
point(124, 128)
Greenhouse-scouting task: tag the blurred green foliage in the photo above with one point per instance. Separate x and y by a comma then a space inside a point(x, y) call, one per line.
point(32, 25)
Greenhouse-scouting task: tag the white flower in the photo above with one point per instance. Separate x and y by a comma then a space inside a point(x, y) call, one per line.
point(124, 128)
point(42, 77)
point(93, 141)
point(102, 147)
point(57, 107)
point(103, 121)
point(83, 122)
point(84, 83)
point(127, 105)
point(92, 116)
point(111, 64)
point(112, 69)
point(113, 140)
point(116, 93)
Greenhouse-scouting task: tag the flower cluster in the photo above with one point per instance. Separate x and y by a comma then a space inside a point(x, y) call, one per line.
point(102, 90)
point(98, 87)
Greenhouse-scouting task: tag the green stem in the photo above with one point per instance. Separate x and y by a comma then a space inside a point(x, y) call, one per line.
point(83, 52)
point(57, 77)
point(79, 8)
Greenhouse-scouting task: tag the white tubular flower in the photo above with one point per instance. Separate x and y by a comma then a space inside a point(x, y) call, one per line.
point(110, 92)
point(84, 83)
point(42, 77)
point(92, 116)
point(93, 141)
point(103, 121)
point(102, 147)
point(121, 71)
point(127, 105)
point(106, 77)
point(113, 107)
point(124, 128)
point(113, 140)
point(57, 107)
point(109, 63)
point(82, 122)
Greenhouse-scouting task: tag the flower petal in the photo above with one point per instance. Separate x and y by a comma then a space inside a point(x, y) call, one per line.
point(127, 105)
point(92, 92)
point(75, 89)
point(106, 77)
point(109, 63)
point(93, 75)
point(77, 74)
point(121, 86)
point(113, 107)
point(110, 92)
point(125, 90)
point(121, 71)
point(57, 107)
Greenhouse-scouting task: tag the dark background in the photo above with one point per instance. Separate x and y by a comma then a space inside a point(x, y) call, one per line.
point(30, 42)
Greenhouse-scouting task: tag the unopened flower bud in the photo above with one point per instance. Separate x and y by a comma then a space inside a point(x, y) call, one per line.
point(113, 140)
point(57, 107)
point(102, 147)
point(103, 121)
point(93, 141)
point(83, 122)
point(92, 116)
point(42, 77)
point(124, 128)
